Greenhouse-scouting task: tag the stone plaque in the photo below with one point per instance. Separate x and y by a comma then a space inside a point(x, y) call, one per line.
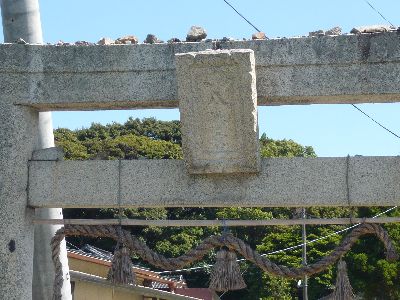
point(218, 105)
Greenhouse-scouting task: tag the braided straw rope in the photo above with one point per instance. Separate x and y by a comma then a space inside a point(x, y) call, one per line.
point(227, 240)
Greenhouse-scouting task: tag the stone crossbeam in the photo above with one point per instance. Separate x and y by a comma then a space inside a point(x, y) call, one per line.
point(283, 182)
point(329, 69)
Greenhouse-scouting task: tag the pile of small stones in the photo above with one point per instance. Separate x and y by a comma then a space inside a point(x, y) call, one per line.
point(195, 34)
point(199, 34)
point(333, 31)
point(356, 30)
point(373, 29)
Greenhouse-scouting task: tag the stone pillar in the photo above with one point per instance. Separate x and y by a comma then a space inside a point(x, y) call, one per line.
point(18, 131)
point(218, 105)
point(21, 19)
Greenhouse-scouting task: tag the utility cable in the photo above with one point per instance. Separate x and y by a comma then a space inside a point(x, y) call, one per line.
point(383, 17)
point(242, 16)
point(366, 1)
point(288, 248)
point(364, 113)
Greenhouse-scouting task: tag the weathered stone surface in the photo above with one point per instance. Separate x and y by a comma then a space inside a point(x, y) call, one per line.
point(129, 39)
point(196, 34)
point(103, 177)
point(218, 106)
point(328, 69)
point(259, 36)
point(334, 31)
point(105, 41)
point(18, 131)
point(372, 29)
point(53, 153)
point(166, 183)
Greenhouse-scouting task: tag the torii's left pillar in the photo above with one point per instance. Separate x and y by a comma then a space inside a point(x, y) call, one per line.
point(21, 19)
point(18, 138)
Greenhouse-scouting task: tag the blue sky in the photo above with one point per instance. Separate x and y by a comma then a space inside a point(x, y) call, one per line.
point(333, 130)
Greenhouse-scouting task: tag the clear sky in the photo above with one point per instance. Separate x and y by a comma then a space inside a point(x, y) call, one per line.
point(333, 130)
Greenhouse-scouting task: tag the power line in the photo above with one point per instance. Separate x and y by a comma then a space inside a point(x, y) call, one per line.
point(242, 16)
point(288, 248)
point(383, 17)
point(366, 1)
point(378, 12)
point(364, 113)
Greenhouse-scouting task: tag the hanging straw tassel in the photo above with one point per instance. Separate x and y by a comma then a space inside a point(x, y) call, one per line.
point(343, 289)
point(121, 271)
point(225, 275)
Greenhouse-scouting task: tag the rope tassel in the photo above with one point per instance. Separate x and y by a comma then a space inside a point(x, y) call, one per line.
point(343, 289)
point(225, 275)
point(121, 271)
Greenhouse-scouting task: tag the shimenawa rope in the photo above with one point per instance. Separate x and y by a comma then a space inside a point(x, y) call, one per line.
point(225, 240)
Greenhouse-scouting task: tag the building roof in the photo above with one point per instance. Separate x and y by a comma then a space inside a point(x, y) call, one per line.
point(98, 256)
point(171, 287)
point(146, 291)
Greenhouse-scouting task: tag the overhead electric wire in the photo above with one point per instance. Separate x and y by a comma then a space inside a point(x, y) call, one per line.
point(368, 116)
point(288, 248)
point(378, 12)
point(359, 109)
point(356, 107)
point(231, 6)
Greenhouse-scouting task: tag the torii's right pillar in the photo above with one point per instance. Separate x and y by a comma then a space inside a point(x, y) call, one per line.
point(218, 105)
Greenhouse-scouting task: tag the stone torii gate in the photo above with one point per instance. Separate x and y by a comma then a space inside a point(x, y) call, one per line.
point(217, 92)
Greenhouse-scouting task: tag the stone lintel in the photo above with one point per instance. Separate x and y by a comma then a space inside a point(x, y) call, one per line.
point(218, 106)
point(320, 70)
point(282, 182)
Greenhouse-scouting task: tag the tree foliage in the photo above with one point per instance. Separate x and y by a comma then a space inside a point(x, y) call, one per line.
point(372, 277)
